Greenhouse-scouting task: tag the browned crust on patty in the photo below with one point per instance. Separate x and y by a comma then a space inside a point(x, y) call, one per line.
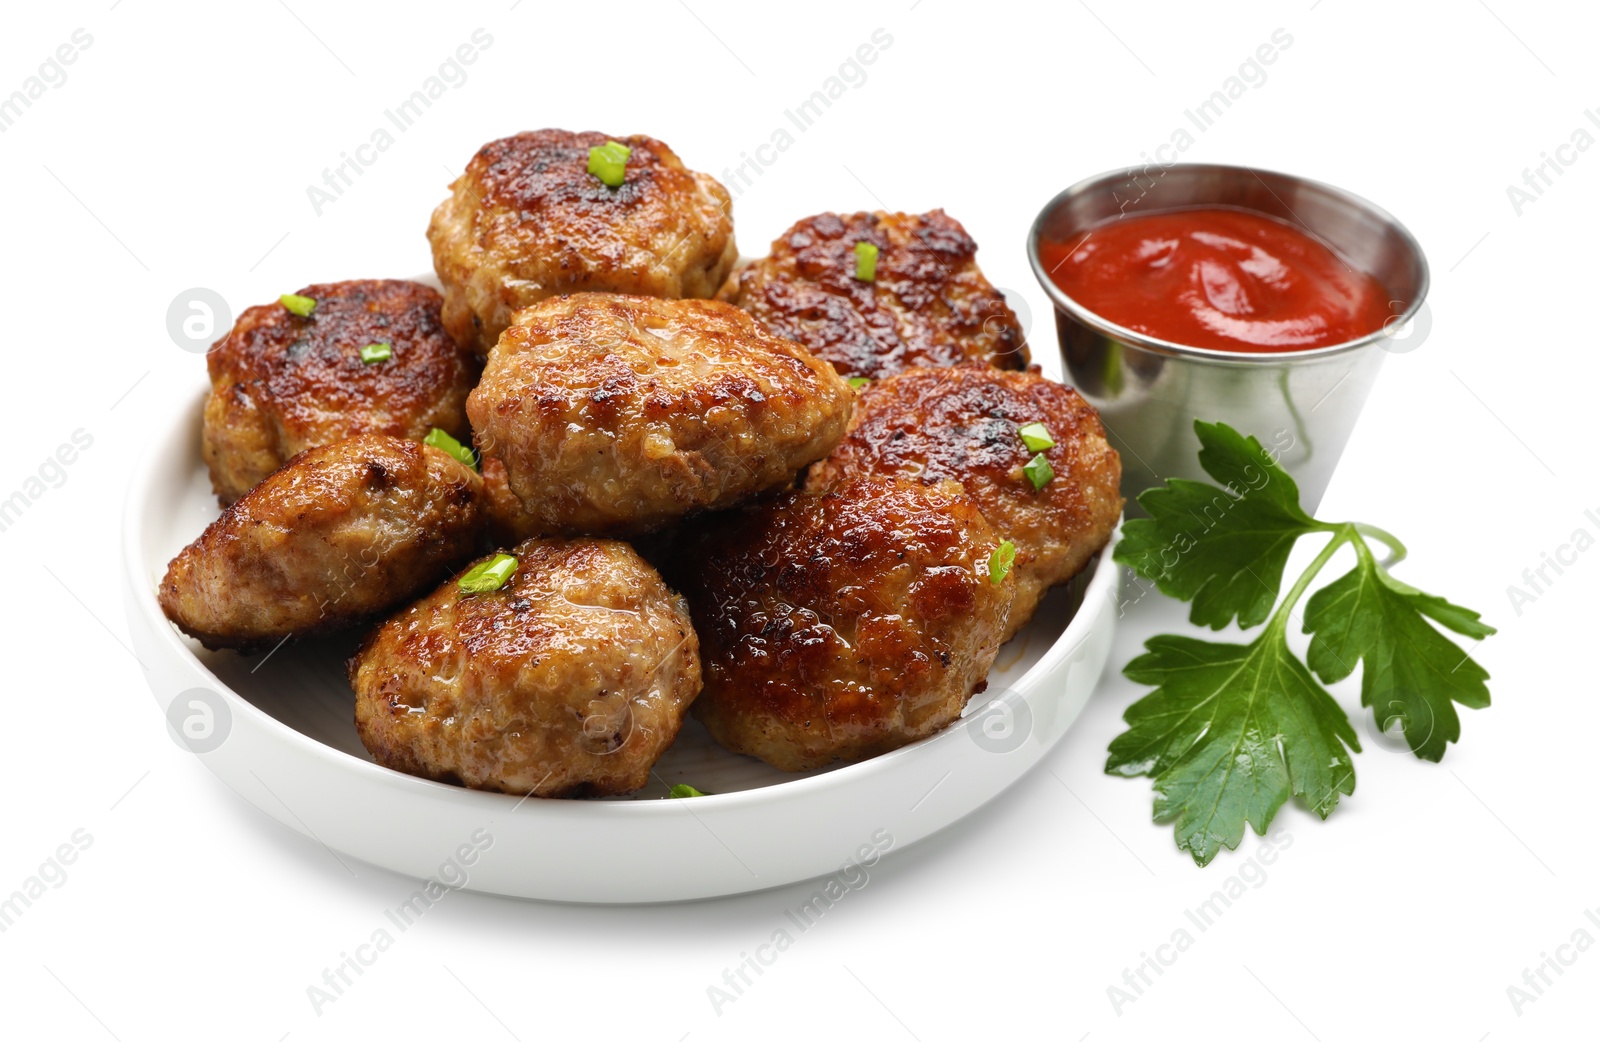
point(928, 304)
point(961, 424)
point(281, 384)
point(617, 415)
point(528, 221)
point(572, 679)
point(340, 533)
point(843, 625)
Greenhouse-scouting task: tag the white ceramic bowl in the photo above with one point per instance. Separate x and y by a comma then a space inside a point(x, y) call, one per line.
point(279, 730)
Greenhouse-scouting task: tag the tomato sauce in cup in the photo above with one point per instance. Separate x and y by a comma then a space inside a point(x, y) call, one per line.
point(1217, 278)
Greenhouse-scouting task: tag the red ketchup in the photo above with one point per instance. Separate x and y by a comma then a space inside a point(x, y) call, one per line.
point(1218, 278)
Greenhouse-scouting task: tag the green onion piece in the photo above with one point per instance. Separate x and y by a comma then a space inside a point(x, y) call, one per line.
point(858, 382)
point(1035, 436)
point(609, 162)
point(440, 440)
point(681, 791)
point(302, 306)
point(379, 352)
point(1039, 471)
point(1000, 561)
point(488, 576)
point(866, 261)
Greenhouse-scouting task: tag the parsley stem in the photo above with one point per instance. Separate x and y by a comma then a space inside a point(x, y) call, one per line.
point(1344, 533)
point(1381, 568)
point(1397, 549)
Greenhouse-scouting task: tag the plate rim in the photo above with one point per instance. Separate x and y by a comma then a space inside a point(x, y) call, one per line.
point(176, 446)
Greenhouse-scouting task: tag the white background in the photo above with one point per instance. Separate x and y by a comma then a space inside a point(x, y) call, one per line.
point(177, 154)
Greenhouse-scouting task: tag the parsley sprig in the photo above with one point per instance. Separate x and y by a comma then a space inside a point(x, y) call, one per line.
point(1231, 731)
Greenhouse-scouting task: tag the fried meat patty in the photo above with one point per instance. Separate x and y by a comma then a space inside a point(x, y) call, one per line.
point(843, 625)
point(927, 304)
point(528, 221)
point(338, 534)
point(962, 424)
point(616, 414)
point(571, 679)
point(281, 384)
point(509, 521)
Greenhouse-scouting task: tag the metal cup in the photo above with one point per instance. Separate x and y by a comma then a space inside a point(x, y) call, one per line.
point(1149, 392)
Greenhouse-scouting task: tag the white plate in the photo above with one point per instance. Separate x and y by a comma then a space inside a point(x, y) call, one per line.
point(279, 730)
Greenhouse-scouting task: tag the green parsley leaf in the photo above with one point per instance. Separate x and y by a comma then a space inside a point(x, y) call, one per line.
point(1000, 561)
point(866, 262)
point(443, 441)
point(1231, 731)
point(858, 382)
point(379, 352)
point(1039, 471)
point(1229, 734)
point(682, 791)
point(1036, 436)
point(1222, 548)
point(609, 162)
point(488, 575)
point(298, 305)
point(1411, 673)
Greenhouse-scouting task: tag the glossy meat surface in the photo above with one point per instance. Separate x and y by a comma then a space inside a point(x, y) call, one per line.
point(528, 221)
point(616, 415)
point(962, 424)
point(572, 679)
point(927, 305)
point(843, 625)
point(281, 384)
point(509, 521)
point(339, 534)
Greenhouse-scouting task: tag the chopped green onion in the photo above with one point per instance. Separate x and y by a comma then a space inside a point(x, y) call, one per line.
point(858, 382)
point(1035, 436)
point(681, 791)
point(298, 305)
point(1000, 561)
point(488, 576)
point(609, 162)
point(441, 440)
point(1039, 471)
point(866, 261)
point(379, 352)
